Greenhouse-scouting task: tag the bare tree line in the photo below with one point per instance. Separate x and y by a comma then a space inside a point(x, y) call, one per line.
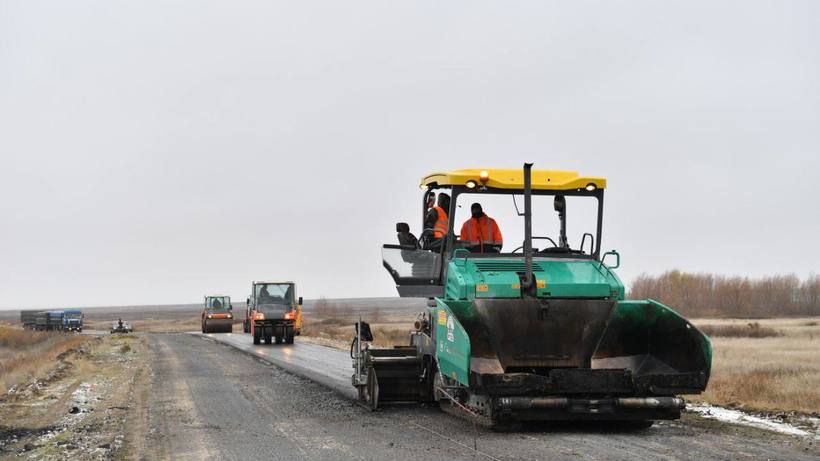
point(709, 295)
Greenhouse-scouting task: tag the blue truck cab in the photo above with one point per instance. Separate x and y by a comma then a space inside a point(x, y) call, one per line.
point(73, 320)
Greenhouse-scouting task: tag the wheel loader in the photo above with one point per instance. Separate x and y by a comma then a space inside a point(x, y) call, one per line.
point(534, 330)
point(217, 314)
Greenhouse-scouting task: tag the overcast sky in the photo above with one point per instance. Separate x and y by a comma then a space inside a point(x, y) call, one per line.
point(154, 151)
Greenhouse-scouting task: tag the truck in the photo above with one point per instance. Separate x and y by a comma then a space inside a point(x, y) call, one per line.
point(273, 311)
point(73, 320)
point(539, 332)
point(28, 318)
point(49, 321)
point(64, 320)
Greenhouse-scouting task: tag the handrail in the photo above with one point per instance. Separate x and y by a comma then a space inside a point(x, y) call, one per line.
point(609, 269)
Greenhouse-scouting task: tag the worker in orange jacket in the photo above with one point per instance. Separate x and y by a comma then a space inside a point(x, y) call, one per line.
point(481, 233)
point(438, 220)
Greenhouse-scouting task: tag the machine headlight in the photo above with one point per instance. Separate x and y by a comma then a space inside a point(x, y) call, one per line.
point(471, 184)
point(210, 316)
point(591, 187)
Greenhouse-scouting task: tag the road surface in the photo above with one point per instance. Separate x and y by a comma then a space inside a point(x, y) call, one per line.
point(210, 400)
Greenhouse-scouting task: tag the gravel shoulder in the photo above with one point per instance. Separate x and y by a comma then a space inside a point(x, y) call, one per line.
point(210, 401)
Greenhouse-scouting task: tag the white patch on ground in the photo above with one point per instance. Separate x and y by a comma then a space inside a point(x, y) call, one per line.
point(745, 419)
point(80, 395)
point(83, 398)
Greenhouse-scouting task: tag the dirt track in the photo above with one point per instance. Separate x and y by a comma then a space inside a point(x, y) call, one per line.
point(210, 401)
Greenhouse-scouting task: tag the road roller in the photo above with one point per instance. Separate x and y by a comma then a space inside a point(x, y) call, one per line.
point(217, 314)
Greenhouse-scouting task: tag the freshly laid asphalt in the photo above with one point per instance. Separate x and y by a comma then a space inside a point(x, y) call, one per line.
point(327, 366)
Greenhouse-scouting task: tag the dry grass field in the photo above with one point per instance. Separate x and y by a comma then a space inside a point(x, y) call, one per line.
point(779, 371)
point(740, 330)
point(176, 322)
point(146, 318)
point(27, 355)
point(388, 330)
point(335, 324)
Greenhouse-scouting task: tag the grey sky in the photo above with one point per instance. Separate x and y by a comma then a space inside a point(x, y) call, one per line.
point(154, 151)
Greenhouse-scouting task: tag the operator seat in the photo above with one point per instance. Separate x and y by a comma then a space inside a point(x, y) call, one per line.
point(405, 237)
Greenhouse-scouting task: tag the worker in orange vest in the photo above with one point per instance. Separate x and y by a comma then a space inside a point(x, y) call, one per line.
point(438, 221)
point(481, 233)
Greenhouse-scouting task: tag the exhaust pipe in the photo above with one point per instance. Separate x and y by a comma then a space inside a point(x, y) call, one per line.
point(532, 403)
point(528, 286)
point(631, 403)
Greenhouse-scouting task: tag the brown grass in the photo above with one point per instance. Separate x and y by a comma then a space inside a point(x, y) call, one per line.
point(329, 321)
point(386, 336)
point(750, 330)
point(17, 338)
point(26, 355)
point(159, 324)
point(774, 373)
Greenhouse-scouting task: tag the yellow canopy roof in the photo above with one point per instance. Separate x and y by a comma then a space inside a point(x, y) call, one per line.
point(514, 179)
